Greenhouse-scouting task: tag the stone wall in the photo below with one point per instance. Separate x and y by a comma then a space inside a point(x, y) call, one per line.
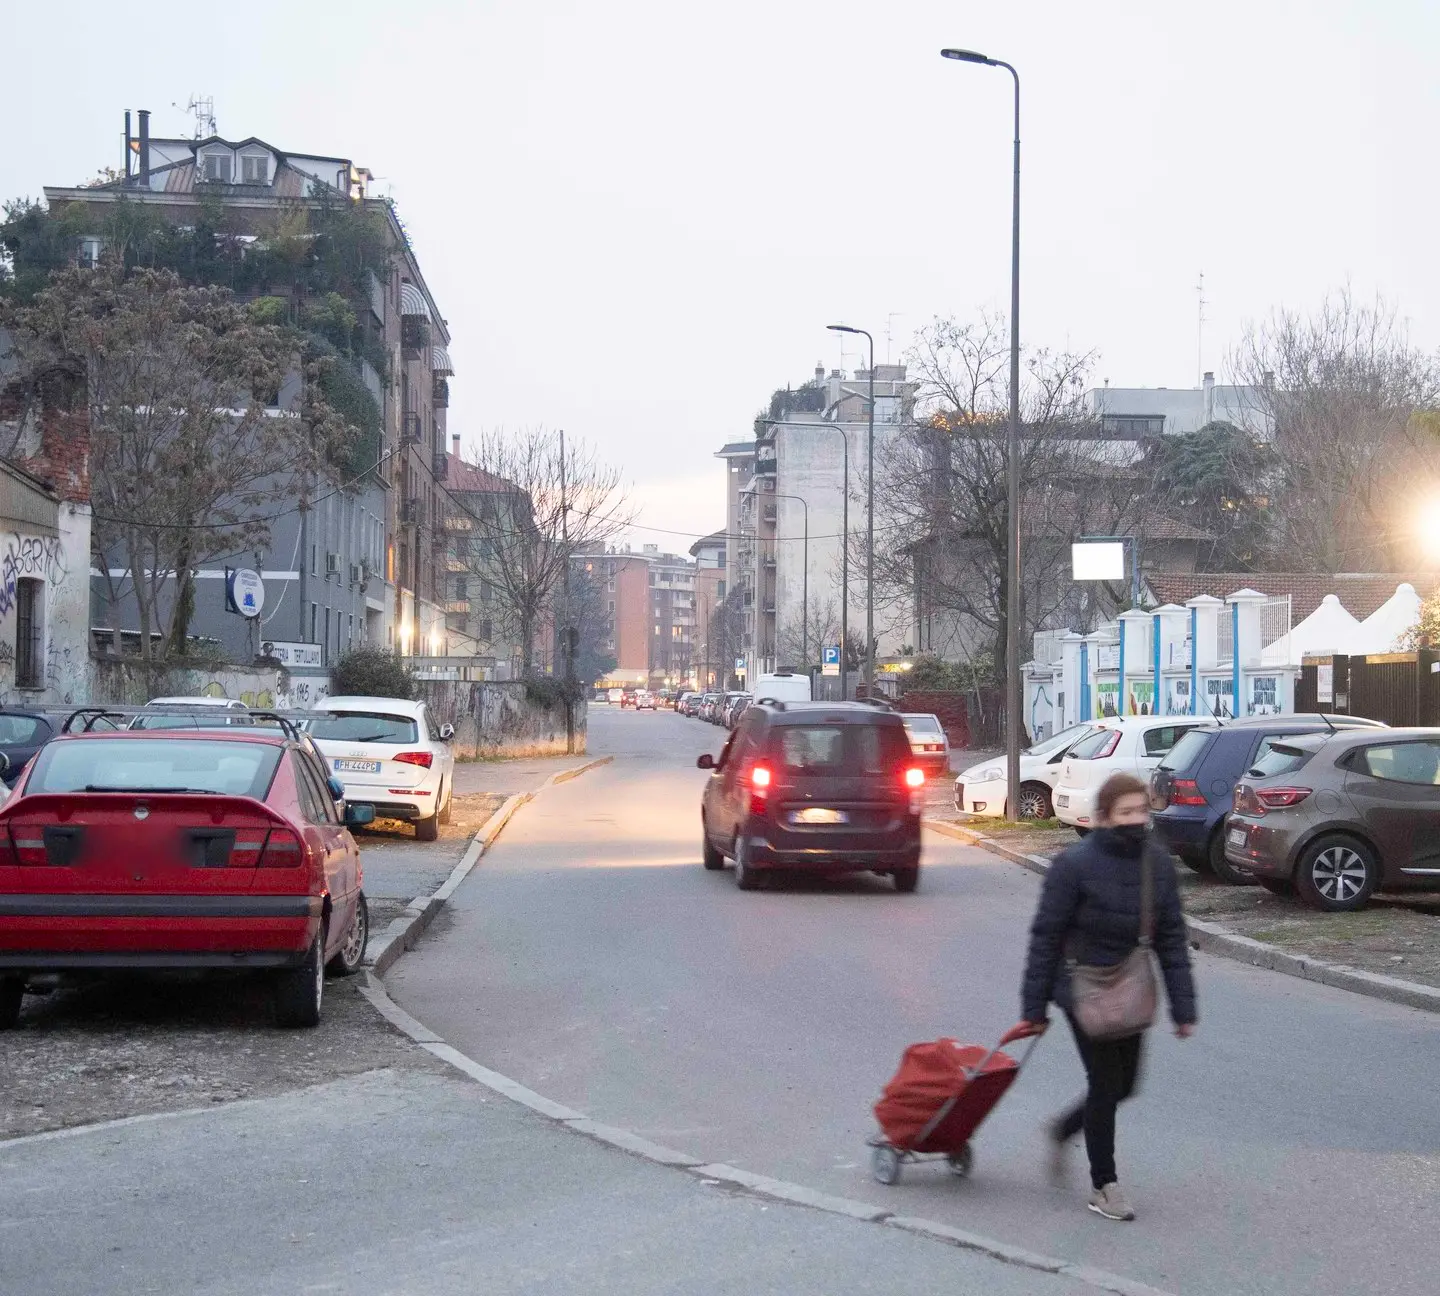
point(129, 682)
point(495, 719)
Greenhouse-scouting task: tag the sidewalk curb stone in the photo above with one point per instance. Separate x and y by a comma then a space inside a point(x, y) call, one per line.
point(1214, 939)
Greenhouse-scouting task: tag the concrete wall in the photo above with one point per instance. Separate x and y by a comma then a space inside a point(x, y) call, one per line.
point(126, 681)
point(496, 719)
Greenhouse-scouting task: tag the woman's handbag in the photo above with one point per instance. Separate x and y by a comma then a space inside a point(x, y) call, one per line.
point(1116, 1002)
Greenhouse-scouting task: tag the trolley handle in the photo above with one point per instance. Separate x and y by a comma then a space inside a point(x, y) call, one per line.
point(1021, 1031)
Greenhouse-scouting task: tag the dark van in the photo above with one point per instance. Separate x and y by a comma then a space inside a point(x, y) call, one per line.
point(829, 787)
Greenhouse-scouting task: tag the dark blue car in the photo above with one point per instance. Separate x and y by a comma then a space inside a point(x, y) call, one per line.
point(1192, 789)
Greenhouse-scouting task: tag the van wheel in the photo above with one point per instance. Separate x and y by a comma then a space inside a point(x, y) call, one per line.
point(713, 859)
point(12, 991)
point(428, 829)
point(1337, 874)
point(299, 990)
point(1035, 801)
point(746, 878)
point(1221, 867)
point(907, 878)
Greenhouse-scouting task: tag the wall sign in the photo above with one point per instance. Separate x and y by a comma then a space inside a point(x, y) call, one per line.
point(244, 591)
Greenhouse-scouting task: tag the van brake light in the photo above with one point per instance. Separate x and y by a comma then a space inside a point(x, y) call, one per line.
point(914, 777)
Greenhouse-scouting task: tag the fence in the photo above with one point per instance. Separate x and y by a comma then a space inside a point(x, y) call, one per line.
point(1397, 688)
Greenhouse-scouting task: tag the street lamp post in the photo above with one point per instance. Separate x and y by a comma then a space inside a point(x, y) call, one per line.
point(805, 569)
point(1014, 691)
point(869, 518)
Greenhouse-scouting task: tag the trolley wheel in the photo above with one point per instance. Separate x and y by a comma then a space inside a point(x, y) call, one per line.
point(885, 1164)
point(961, 1162)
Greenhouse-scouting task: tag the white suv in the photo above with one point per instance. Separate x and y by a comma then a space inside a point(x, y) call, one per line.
point(391, 755)
point(1128, 745)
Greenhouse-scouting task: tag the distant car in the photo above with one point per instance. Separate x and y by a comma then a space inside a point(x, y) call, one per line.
point(707, 705)
point(1192, 789)
point(627, 698)
point(391, 755)
point(1128, 744)
point(826, 787)
point(783, 686)
point(981, 789)
point(645, 701)
point(682, 702)
point(180, 849)
point(616, 696)
point(928, 743)
point(721, 711)
point(22, 733)
point(736, 709)
point(1339, 816)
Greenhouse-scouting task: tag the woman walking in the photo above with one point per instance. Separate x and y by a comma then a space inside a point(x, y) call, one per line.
point(1106, 902)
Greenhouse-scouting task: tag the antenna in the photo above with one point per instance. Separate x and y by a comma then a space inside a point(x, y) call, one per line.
point(204, 110)
point(893, 315)
point(1200, 332)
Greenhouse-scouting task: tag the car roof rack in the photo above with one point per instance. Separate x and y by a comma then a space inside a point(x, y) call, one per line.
point(85, 720)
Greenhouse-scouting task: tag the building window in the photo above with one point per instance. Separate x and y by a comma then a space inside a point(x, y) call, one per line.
point(90, 252)
point(28, 653)
point(314, 620)
point(326, 657)
point(460, 588)
point(314, 557)
point(484, 631)
point(255, 170)
point(218, 167)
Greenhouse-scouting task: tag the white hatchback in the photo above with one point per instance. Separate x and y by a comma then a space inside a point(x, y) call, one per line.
point(389, 754)
point(980, 790)
point(1129, 745)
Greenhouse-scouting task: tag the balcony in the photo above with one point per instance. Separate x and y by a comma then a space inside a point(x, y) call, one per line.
point(412, 428)
point(414, 335)
point(765, 465)
point(439, 465)
point(768, 514)
point(412, 512)
point(440, 393)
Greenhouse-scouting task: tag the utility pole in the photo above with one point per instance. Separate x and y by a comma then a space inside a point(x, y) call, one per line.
point(568, 633)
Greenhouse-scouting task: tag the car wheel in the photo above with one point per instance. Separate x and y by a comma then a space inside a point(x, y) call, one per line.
point(713, 859)
point(1337, 874)
point(907, 878)
point(1035, 801)
point(1200, 863)
point(12, 991)
point(1278, 886)
point(746, 878)
point(1217, 864)
point(352, 953)
point(428, 829)
point(299, 990)
point(445, 805)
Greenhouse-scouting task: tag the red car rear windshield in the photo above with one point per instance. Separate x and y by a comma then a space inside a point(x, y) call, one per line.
point(847, 749)
point(152, 764)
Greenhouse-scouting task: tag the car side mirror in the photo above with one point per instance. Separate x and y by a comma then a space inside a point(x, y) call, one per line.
point(706, 761)
point(357, 816)
point(337, 788)
point(447, 732)
point(4, 764)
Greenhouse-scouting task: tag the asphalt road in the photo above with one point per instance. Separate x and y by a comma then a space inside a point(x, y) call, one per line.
point(1292, 1146)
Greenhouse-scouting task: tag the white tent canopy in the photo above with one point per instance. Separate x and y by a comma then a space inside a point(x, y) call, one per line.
point(1383, 629)
point(1328, 629)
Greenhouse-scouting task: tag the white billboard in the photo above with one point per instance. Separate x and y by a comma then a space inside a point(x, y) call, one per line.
point(1098, 560)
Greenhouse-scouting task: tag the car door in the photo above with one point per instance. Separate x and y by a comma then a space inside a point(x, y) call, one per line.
point(323, 826)
point(727, 782)
point(1395, 789)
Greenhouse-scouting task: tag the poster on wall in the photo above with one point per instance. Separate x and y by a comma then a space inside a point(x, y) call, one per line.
point(1264, 695)
point(1177, 697)
point(1107, 698)
point(1220, 697)
point(1140, 698)
point(1325, 682)
point(1042, 713)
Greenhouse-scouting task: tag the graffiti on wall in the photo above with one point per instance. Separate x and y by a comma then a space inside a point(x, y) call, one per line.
point(37, 557)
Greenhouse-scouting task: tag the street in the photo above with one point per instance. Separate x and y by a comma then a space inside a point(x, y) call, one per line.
point(1289, 1147)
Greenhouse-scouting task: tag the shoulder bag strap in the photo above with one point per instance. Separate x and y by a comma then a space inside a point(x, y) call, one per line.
point(1147, 897)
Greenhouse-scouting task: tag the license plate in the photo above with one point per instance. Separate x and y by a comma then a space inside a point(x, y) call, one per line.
point(1063, 801)
point(816, 815)
point(357, 767)
point(1237, 836)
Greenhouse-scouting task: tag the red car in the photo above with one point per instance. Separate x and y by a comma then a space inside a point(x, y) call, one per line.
point(181, 848)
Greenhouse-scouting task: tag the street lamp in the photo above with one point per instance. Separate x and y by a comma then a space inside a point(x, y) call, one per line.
point(1014, 692)
point(805, 569)
point(869, 519)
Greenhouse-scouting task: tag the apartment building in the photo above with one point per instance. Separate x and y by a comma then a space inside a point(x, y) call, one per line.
point(650, 614)
point(353, 560)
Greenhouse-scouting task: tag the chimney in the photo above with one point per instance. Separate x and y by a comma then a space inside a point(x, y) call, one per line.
point(1209, 396)
point(145, 147)
point(128, 137)
point(455, 446)
point(819, 373)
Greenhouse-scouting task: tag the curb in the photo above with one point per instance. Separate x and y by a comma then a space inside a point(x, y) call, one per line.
point(1214, 939)
point(718, 1173)
point(409, 925)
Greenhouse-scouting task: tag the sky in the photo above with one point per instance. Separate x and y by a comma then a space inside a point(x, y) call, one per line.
point(637, 217)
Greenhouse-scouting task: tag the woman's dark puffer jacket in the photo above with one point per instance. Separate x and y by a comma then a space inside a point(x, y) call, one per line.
point(1090, 911)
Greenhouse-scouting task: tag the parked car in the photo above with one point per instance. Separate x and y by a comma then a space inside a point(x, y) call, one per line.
point(928, 743)
point(737, 708)
point(628, 698)
point(828, 787)
point(22, 733)
point(1193, 787)
point(682, 702)
point(617, 696)
point(180, 849)
point(390, 755)
point(981, 789)
point(1338, 816)
point(1128, 744)
point(720, 712)
point(645, 701)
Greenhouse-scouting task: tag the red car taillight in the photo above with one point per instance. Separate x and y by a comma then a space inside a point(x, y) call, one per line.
point(1281, 798)
point(422, 759)
point(283, 849)
point(1186, 792)
point(759, 789)
point(27, 843)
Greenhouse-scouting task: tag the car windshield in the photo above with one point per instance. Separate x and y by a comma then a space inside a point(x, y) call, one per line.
point(818, 750)
point(923, 724)
point(1187, 750)
point(106, 764)
point(363, 727)
point(1280, 759)
point(1060, 741)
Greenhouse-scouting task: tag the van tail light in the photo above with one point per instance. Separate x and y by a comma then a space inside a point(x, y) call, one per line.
point(1281, 798)
point(914, 777)
point(283, 849)
point(1186, 792)
point(759, 789)
point(422, 759)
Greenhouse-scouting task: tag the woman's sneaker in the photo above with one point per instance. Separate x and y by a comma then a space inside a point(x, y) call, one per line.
point(1110, 1202)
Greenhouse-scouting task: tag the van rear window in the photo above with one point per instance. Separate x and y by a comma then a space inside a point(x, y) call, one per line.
point(844, 749)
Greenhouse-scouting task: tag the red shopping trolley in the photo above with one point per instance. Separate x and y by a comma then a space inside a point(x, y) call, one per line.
point(938, 1099)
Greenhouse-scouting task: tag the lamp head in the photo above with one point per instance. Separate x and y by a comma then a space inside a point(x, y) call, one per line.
point(841, 328)
point(967, 56)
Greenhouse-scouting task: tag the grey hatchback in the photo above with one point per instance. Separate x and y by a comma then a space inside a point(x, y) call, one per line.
point(1339, 816)
point(826, 787)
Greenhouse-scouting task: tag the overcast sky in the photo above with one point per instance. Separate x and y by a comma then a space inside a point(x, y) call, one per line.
point(638, 216)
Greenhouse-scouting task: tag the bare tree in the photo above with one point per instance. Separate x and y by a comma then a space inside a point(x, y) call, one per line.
point(188, 448)
point(543, 508)
point(1344, 395)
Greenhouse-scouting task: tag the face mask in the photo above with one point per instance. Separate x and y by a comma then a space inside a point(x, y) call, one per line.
point(1131, 835)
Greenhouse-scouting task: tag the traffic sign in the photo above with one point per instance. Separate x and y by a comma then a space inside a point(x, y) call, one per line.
point(830, 660)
